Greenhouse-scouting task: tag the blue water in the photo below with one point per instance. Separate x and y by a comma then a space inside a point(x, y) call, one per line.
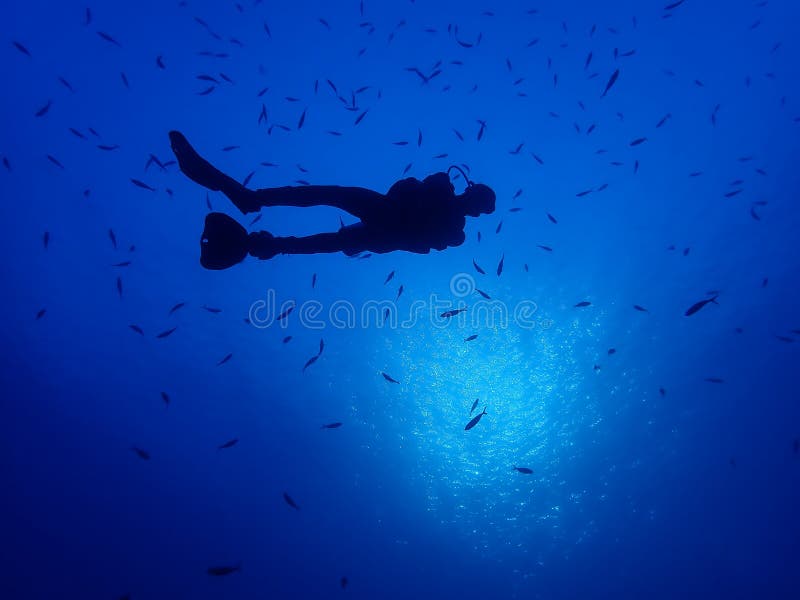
point(635, 493)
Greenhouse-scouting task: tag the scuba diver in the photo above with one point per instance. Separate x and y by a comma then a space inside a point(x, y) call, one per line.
point(415, 216)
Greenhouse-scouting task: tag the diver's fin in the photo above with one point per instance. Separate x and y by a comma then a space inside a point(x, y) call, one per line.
point(223, 243)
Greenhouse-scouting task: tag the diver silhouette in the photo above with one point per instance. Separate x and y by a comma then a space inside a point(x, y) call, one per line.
point(414, 216)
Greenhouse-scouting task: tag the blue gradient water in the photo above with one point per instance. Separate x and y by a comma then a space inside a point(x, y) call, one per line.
point(692, 493)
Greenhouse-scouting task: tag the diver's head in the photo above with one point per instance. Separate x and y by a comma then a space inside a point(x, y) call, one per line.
point(477, 199)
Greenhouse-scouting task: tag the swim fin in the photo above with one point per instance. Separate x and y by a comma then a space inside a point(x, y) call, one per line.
point(224, 242)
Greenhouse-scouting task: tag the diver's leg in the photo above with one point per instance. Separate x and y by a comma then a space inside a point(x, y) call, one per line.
point(350, 240)
point(199, 170)
point(359, 202)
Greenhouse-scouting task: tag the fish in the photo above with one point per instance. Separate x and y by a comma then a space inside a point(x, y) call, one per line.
point(310, 362)
point(343, 582)
point(285, 313)
point(452, 313)
point(55, 161)
point(287, 339)
point(109, 39)
point(611, 81)
point(662, 391)
point(663, 120)
point(224, 570)
point(225, 359)
point(477, 268)
point(611, 351)
point(714, 380)
point(119, 286)
point(313, 280)
point(290, 501)
point(142, 185)
point(137, 329)
point(389, 277)
point(698, 305)
point(638, 141)
point(21, 48)
point(389, 378)
point(399, 293)
point(484, 294)
point(44, 110)
point(335, 425)
point(640, 308)
point(471, 338)
point(474, 405)
point(499, 227)
point(41, 313)
point(474, 421)
point(141, 453)
point(500, 265)
point(524, 470)
point(211, 309)
point(545, 248)
point(229, 444)
point(673, 5)
point(165, 398)
point(552, 219)
point(582, 304)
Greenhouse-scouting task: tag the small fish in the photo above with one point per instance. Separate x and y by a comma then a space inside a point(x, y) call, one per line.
point(714, 380)
point(137, 329)
point(21, 48)
point(389, 378)
point(310, 362)
point(452, 313)
point(389, 277)
point(640, 308)
point(474, 421)
point(109, 39)
point(166, 333)
point(524, 470)
point(140, 453)
point(285, 313)
point(611, 351)
point(484, 294)
point(226, 359)
point(611, 81)
point(313, 281)
point(698, 305)
point(222, 571)
point(287, 339)
point(178, 306)
point(583, 304)
point(119, 286)
point(43, 111)
point(552, 219)
point(662, 391)
point(477, 268)
point(41, 313)
point(638, 141)
point(399, 293)
point(474, 405)
point(500, 265)
point(142, 185)
point(335, 425)
point(545, 248)
point(211, 309)
point(290, 501)
point(343, 582)
point(471, 338)
point(228, 444)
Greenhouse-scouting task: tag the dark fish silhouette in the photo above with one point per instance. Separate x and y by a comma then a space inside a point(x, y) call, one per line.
point(640, 308)
point(452, 313)
point(165, 398)
point(310, 362)
point(612, 351)
point(140, 453)
point(474, 405)
point(471, 338)
point(335, 425)
point(477, 268)
point(524, 470)
point(211, 309)
point(224, 570)
point(698, 305)
point(582, 304)
point(166, 333)
point(142, 185)
point(343, 582)
point(474, 421)
point(389, 278)
point(226, 359)
point(287, 339)
point(178, 306)
point(288, 499)
point(714, 380)
point(611, 81)
point(500, 265)
point(389, 378)
point(137, 329)
point(228, 444)
point(484, 294)
point(41, 313)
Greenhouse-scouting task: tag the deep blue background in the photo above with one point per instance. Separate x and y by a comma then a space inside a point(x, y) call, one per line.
point(633, 493)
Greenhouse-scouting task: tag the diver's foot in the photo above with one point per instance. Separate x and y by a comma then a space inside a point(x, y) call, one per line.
point(194, 166)
point(262, 245)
